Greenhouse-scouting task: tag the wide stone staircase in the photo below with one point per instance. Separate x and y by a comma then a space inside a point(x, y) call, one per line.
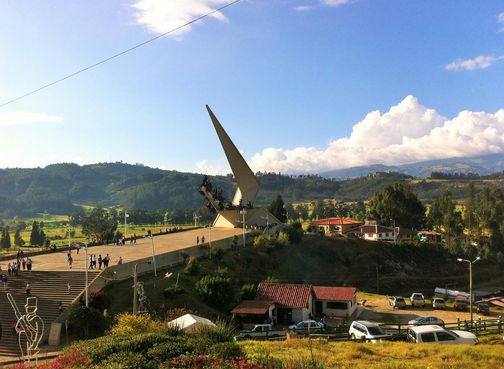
point(50, 288)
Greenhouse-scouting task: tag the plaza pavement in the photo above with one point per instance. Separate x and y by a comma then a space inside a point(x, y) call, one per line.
point(56, 261)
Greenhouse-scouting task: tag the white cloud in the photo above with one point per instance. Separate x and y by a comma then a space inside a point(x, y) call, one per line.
point(407, 133)
point(12, 118)
point(334, 2)
point(500, 19)
point(204, 167)
point(161, 16)
point(304, 8)
point(481, 62)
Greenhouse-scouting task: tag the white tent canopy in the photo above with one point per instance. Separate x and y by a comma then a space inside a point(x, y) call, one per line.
point(190, 323)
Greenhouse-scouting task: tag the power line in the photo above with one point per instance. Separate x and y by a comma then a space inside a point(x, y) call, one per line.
point(121, 53)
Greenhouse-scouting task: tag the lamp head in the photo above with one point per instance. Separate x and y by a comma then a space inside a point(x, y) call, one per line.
point(459, 259)
point(477, 258)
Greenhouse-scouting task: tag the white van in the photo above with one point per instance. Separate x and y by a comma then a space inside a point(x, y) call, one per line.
point(437, 334)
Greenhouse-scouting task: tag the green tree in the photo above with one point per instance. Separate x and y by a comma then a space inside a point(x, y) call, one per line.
point(443, 217)
point(470, 220)
point(5, 241)
point(86, 321)
point(397, 203)
point(18, 240)
point(98, 224)
point(248, 292)
point(216, 291)
point(37, 235)
point(277, 208)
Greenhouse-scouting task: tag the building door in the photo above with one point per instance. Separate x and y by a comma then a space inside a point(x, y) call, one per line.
point(319, 310)
point(284, 316)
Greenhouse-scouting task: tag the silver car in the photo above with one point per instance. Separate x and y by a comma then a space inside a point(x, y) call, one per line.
point(426, 320)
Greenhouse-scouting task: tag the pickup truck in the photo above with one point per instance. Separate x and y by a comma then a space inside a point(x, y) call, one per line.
point(261, 331)
point(461, 304)
point(417, 299)
point(397, 302)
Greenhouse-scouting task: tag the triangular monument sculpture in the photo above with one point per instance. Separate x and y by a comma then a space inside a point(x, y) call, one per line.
point(241, 210)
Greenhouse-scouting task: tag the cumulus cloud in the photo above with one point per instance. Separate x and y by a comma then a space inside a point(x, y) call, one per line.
point(500, 19)
point(204, 167)
point(12, 118)
point(161, 16)
point(408, 132)
point(304, 8)
point(481, 62)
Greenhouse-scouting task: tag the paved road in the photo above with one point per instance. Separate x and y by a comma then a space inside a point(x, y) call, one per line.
point(129, 252)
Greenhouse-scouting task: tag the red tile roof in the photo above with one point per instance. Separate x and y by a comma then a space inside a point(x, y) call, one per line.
point(336, 221)
point(289, 295)
point(334, 293)
point(252, 307)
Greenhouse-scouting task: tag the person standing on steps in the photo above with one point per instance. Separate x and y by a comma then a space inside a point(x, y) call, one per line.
point(5, 281)
point(28, 289)
point(69, 288)
point(60, 307)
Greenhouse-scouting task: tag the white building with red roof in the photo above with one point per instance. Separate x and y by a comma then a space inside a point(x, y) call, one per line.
point(336, 225)
point(287, 303)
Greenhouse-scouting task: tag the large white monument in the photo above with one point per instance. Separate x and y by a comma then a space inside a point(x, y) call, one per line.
point(241, 210)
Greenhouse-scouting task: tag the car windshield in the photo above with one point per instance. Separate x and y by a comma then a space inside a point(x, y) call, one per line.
point(375, 331)
point(400, 299)
point(419, 319)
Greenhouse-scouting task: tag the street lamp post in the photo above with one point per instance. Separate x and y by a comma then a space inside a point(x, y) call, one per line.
point(470, 284)
point(126, 215)
point(135, 287)
point(153, 254)
point(243, 212)
point(86, 269)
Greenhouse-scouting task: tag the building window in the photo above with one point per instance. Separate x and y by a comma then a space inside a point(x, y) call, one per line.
point(386, 234)
point(337, 305)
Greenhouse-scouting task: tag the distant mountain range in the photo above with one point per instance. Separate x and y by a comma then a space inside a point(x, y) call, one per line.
point(482, 165)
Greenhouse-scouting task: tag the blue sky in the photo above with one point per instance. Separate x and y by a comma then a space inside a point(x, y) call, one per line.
point(299, 85)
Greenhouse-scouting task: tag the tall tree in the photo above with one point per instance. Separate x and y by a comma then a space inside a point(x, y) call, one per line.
point(443, 217)
point(99, 224)
point(470, 220)
point(37, 236)
point(18, 240)
point(277, 208)
point(5, 241)
point(397, 204)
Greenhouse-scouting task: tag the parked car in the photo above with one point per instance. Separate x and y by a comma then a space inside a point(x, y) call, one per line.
point(483, 308)
point(438, 303)
point(425, 320)
point(417, 299)
point(461, 304)
point(397, 302)
point(437, 334)
point(362, 329)
point(311, 326)
point(261, 331)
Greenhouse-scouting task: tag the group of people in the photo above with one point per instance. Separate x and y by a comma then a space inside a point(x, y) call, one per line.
point(198, 239)
point(13, 269)
point(92, 260)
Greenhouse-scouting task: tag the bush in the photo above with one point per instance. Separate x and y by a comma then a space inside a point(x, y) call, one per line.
point(98, 300)
point(135, 324)
point(226, 350)
point(216, 291)
point(178, 312)
point(126, 359)
point(192, 266)
point(248, 292)
point(172, 291)
point(217, 252)
point(86, 321)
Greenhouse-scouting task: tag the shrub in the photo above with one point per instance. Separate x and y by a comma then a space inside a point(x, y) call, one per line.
point(172, 291)
point(192, 266)
point(98, 300)
point(217, 252)
point(216, 333)
point(185, 255)
point(86, 321)
point(126, 359)
point(248, 291)
point(226, 350)
point(135, 324)
point(178, 312)
point(216, 291)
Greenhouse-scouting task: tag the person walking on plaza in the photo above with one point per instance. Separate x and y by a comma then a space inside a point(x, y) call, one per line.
point(70, 262)
point(23, 263)
point(120, 260)
point(29, 264)
point(28, 289)
point(100, 261)
point(90, 262)
point(203, 239)
point(197, 240)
